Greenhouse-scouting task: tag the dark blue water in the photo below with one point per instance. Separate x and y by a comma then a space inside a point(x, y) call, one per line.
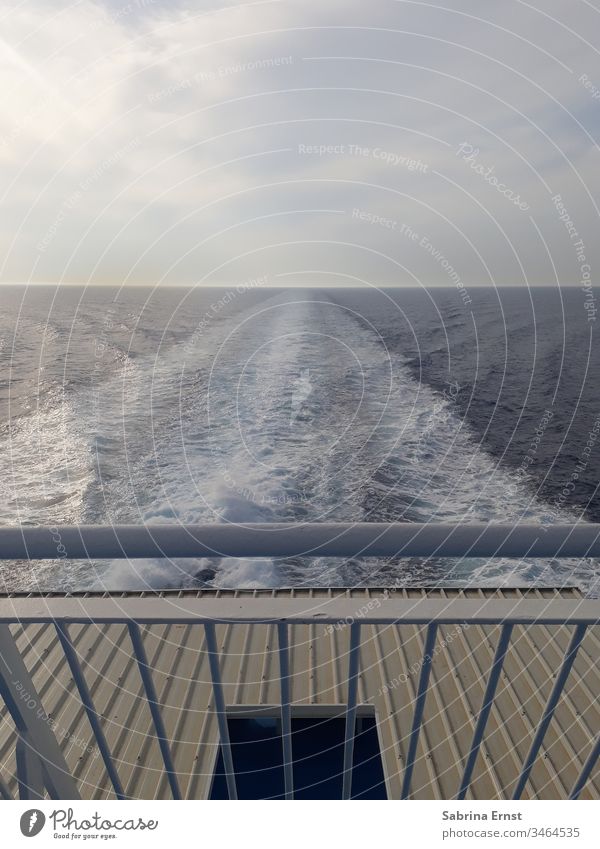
point(255, 404)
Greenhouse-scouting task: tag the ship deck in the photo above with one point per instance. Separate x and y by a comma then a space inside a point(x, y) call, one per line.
point(391, 657)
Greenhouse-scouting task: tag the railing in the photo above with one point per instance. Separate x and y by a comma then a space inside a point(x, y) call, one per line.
point(361, 539)
point(40, 763)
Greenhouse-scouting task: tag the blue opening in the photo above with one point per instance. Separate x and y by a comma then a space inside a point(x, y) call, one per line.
point(317, 755)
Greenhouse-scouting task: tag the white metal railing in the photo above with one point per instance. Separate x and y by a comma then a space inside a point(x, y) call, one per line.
point(360, 539)
point(40, 763)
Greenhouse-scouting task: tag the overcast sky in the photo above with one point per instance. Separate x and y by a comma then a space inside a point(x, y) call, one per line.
point(302, 142)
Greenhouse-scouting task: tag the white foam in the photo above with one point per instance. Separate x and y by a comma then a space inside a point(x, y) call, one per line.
point(296, 413)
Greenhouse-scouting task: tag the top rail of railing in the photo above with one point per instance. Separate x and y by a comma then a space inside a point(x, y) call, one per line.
point(323, 539)
point(36, 744)
point(153, 610)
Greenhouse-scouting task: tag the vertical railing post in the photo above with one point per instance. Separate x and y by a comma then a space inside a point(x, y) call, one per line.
point(286, 710)
point(86, 699)
point(30, 776)
point(586, 770)
point(152, 699)
point(4, 791)
point(220, 708)
point(33, 724)
point(488, 698)
point(419, 708)
point(557, 689)
point(353, 670)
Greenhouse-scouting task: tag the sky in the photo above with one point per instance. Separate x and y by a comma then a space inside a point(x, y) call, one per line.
point(327, 143)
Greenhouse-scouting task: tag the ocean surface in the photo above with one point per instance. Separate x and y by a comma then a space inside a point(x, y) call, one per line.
point(254, 404)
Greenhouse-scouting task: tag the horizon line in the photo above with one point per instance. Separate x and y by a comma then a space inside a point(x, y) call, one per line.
point(250, 287)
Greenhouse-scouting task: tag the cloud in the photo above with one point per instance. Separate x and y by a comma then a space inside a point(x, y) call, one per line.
point(150, 141)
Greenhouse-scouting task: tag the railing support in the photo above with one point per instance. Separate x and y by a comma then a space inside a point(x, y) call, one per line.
point(286, 711)
point(488, 699)
point(419, 708)
point(220, 708)
point(33, 724)
point(4, 791)
point(586, 770)
point(30, 777)
point(152, 698)
point(557, 689)
point(353, 669)
point(86, 699)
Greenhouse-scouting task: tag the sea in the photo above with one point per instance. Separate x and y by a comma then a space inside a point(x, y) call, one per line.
point(246, 403)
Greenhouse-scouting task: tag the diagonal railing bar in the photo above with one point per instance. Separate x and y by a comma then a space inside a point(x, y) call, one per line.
point(586, 770)
point(4, 791)
point(553, 699)
point(488, 699)
point(286, 711)
point(353, 670)
point(220, 707)
point(419, 708)
point(152, 699)
point(33, 725)
point(30, 776)
point(62, 629)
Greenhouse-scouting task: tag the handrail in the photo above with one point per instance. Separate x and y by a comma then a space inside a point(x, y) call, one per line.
point(361, 539)
point(395, 609)
point(40, 762)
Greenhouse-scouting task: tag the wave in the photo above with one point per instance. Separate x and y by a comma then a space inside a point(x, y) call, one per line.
point(294, 409)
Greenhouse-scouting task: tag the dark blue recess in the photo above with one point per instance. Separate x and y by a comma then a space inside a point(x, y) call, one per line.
point(318, 758)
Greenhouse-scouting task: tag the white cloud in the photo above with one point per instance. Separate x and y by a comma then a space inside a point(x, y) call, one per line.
point(126, 125)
